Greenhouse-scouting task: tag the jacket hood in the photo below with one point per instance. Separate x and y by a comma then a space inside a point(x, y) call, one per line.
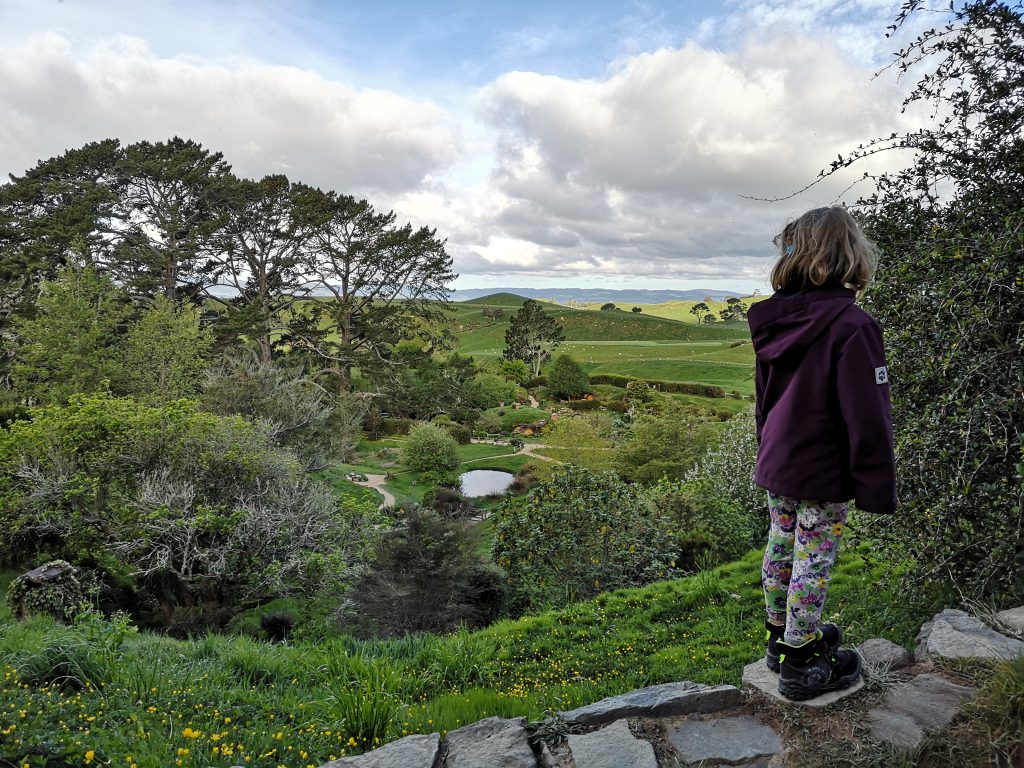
point(785, 325)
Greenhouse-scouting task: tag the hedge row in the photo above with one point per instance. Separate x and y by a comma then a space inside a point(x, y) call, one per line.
point(683, 387)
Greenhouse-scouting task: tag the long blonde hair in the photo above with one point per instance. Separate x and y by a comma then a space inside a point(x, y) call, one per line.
point(823, 245)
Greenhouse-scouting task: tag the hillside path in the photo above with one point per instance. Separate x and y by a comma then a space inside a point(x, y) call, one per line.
point(528, 449)
point(377, 483)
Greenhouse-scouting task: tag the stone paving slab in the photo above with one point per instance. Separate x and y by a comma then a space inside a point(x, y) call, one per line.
point(926, 703)
point(416, 751)
point(664, 700)
point(885, 654)
point(613, 746)
point(732, 740)
point(490, 743)
point(1012, 618)
point(953, 634)
point(757, 676)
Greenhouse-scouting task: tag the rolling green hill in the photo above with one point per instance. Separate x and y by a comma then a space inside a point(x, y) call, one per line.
point(633, 344)
point(678, 310)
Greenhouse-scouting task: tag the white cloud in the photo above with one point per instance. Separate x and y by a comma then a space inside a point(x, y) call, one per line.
point(642, 172)
point(266, 119)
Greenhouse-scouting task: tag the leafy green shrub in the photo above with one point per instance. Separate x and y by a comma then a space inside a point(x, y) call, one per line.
point(950, 296)
point(486, 390)
point(448, 502)
point(431, 452)
point(185, 514)
point(728, 467)
point(666, 443)
point(391, 426)
point(577, 535)
point(706, 519)
point(566, 380)
point(463, 435)
point(51, 590)
point(586, 405)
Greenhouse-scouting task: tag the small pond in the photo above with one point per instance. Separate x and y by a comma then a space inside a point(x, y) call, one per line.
point(484, 482)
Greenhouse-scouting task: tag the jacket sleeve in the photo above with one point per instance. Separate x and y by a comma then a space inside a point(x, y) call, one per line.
point(863, 387)
point(758, 399)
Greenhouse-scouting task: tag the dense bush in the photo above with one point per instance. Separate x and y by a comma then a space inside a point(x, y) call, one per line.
point(707, 520)
point(566, 380)
point(462, 434)
point(577, 535)
point(487, 390)
point(728, 466)
point(298, 413)
point(433, 453)
point(665, 443)
point(193, 515)
point(390, 426)
point(950, 295)
point(427, 577)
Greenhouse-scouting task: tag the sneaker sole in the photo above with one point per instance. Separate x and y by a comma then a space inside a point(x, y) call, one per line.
point(794, 690)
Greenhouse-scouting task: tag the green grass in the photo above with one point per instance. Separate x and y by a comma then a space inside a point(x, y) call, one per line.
point(346, 489)
point(677, 310)
point(280, 701)
point(485, 337)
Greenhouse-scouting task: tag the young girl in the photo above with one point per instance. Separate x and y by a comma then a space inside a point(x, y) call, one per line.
point(824, 434)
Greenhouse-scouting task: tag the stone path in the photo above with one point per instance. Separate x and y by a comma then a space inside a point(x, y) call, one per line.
point(690, 725)
point(377, 483)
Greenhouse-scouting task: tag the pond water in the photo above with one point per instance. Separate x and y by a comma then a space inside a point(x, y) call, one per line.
point(484, 482)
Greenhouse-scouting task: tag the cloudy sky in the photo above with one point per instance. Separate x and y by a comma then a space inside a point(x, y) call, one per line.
point(589, 144)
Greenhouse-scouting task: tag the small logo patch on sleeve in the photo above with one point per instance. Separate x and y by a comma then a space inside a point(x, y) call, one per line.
point(882, 375)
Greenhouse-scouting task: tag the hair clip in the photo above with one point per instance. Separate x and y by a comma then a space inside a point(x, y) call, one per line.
point(789, 250)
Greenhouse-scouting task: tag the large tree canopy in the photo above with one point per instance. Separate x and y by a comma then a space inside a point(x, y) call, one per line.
point(388, 283)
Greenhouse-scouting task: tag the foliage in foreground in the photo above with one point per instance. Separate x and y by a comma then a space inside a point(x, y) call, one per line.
point(950, 293)
point(224, 699)
point(579, 534)
point(189, 515)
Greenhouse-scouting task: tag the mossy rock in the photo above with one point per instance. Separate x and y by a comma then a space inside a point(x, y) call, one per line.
point(52, 589)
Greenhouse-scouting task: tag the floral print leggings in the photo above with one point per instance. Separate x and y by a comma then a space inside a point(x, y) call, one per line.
point(802, 546)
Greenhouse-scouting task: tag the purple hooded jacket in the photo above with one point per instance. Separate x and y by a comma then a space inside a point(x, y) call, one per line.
point(824, 422)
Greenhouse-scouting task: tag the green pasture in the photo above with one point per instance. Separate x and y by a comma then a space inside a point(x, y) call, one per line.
point(676, 310)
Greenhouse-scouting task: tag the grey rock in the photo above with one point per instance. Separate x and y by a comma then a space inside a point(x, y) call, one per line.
point(416, 751)
point(663, 700)
point(1013, 618)
point(953, 634)
point(614, 746)
point(926, 703)
point(490, 743)
point(757, 676)
point(545, 759)
point(879, 653)
point(894, 728)
point(728, 739)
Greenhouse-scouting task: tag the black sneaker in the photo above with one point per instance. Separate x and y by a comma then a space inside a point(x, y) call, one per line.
point(831, 635)
point(813, 668)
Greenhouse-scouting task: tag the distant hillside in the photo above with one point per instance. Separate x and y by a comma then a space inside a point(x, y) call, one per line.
point(479, 334)
point(598, 295)
point(497, 300)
